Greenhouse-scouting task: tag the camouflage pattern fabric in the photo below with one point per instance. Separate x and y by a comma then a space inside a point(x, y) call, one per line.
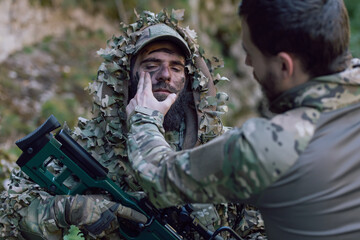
point(244, 219)
point(251, 225)
point(105, 134)
point(242, 163)
point(216, 165)
point(15, 202)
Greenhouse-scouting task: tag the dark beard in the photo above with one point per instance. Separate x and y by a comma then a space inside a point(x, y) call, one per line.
point(176, 113)
point(267, 84)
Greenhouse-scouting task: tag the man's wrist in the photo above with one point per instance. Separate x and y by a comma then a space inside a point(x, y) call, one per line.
point(146, 115)
point(147, 111)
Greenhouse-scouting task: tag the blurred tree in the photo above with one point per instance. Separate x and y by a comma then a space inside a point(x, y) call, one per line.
point(353, 7)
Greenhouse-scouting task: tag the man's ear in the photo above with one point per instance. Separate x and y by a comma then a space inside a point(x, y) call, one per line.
point(287, 65)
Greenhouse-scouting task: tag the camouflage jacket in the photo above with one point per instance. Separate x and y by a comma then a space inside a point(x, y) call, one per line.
point(263, 162)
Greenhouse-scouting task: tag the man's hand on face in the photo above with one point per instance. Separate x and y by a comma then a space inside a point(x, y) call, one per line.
point(145, 98)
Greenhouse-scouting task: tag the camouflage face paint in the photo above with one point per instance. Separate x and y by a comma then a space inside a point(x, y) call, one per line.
point(137, 77)
point(152, 73)
point(133, 85)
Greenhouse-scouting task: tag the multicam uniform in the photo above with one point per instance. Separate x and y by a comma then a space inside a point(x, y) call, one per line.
point(30, 207)
point(301, 168)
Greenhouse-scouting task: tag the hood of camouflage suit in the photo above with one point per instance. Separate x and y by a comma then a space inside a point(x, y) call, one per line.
point(105, 134)
point(161, 31)
point(209, 104)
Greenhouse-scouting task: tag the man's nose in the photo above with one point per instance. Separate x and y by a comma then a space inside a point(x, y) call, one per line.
point(164, 74)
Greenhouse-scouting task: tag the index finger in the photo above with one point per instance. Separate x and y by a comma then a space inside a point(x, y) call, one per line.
point(130, 214)
point(147, 83)
point(140, 85)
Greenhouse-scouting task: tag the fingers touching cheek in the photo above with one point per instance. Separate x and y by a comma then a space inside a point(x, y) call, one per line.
point(130, 107)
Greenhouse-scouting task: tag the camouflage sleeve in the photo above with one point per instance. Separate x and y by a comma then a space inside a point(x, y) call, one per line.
point(25, 211)
point(231, 168)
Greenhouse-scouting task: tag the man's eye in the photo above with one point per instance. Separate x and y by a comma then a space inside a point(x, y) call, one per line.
point(150, 67)
point(176, 69)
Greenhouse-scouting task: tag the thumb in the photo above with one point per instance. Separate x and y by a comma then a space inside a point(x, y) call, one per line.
point(168, 102)
point(130, 214)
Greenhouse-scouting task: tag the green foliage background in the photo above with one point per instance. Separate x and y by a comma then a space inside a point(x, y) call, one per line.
point(353, 7)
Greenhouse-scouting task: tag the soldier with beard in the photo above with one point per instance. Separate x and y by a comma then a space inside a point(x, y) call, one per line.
point(155, 44)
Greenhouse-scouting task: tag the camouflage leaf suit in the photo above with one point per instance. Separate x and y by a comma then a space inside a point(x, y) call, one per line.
point(25, 206)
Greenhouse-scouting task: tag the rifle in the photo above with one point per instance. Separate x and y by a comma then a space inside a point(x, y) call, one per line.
point(41, 147)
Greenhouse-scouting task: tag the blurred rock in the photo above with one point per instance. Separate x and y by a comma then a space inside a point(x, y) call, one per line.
point(23, 24)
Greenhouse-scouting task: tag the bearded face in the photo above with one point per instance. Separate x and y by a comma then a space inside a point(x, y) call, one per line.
point(166, 66)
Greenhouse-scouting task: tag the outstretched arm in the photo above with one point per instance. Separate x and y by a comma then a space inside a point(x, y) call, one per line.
point(230, 168)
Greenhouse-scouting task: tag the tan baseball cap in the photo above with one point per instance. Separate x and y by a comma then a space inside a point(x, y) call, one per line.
point(161, 32)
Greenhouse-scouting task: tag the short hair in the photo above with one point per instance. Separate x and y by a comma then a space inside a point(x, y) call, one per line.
point(317, 31)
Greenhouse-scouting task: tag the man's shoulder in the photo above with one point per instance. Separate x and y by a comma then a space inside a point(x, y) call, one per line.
point(292, 119)
point(275, 143)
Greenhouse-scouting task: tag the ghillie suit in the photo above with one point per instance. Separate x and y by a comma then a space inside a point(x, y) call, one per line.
point(105, 134)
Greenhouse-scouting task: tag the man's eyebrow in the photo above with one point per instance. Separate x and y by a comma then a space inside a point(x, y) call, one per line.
point(157, 60)
point(150, 60)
